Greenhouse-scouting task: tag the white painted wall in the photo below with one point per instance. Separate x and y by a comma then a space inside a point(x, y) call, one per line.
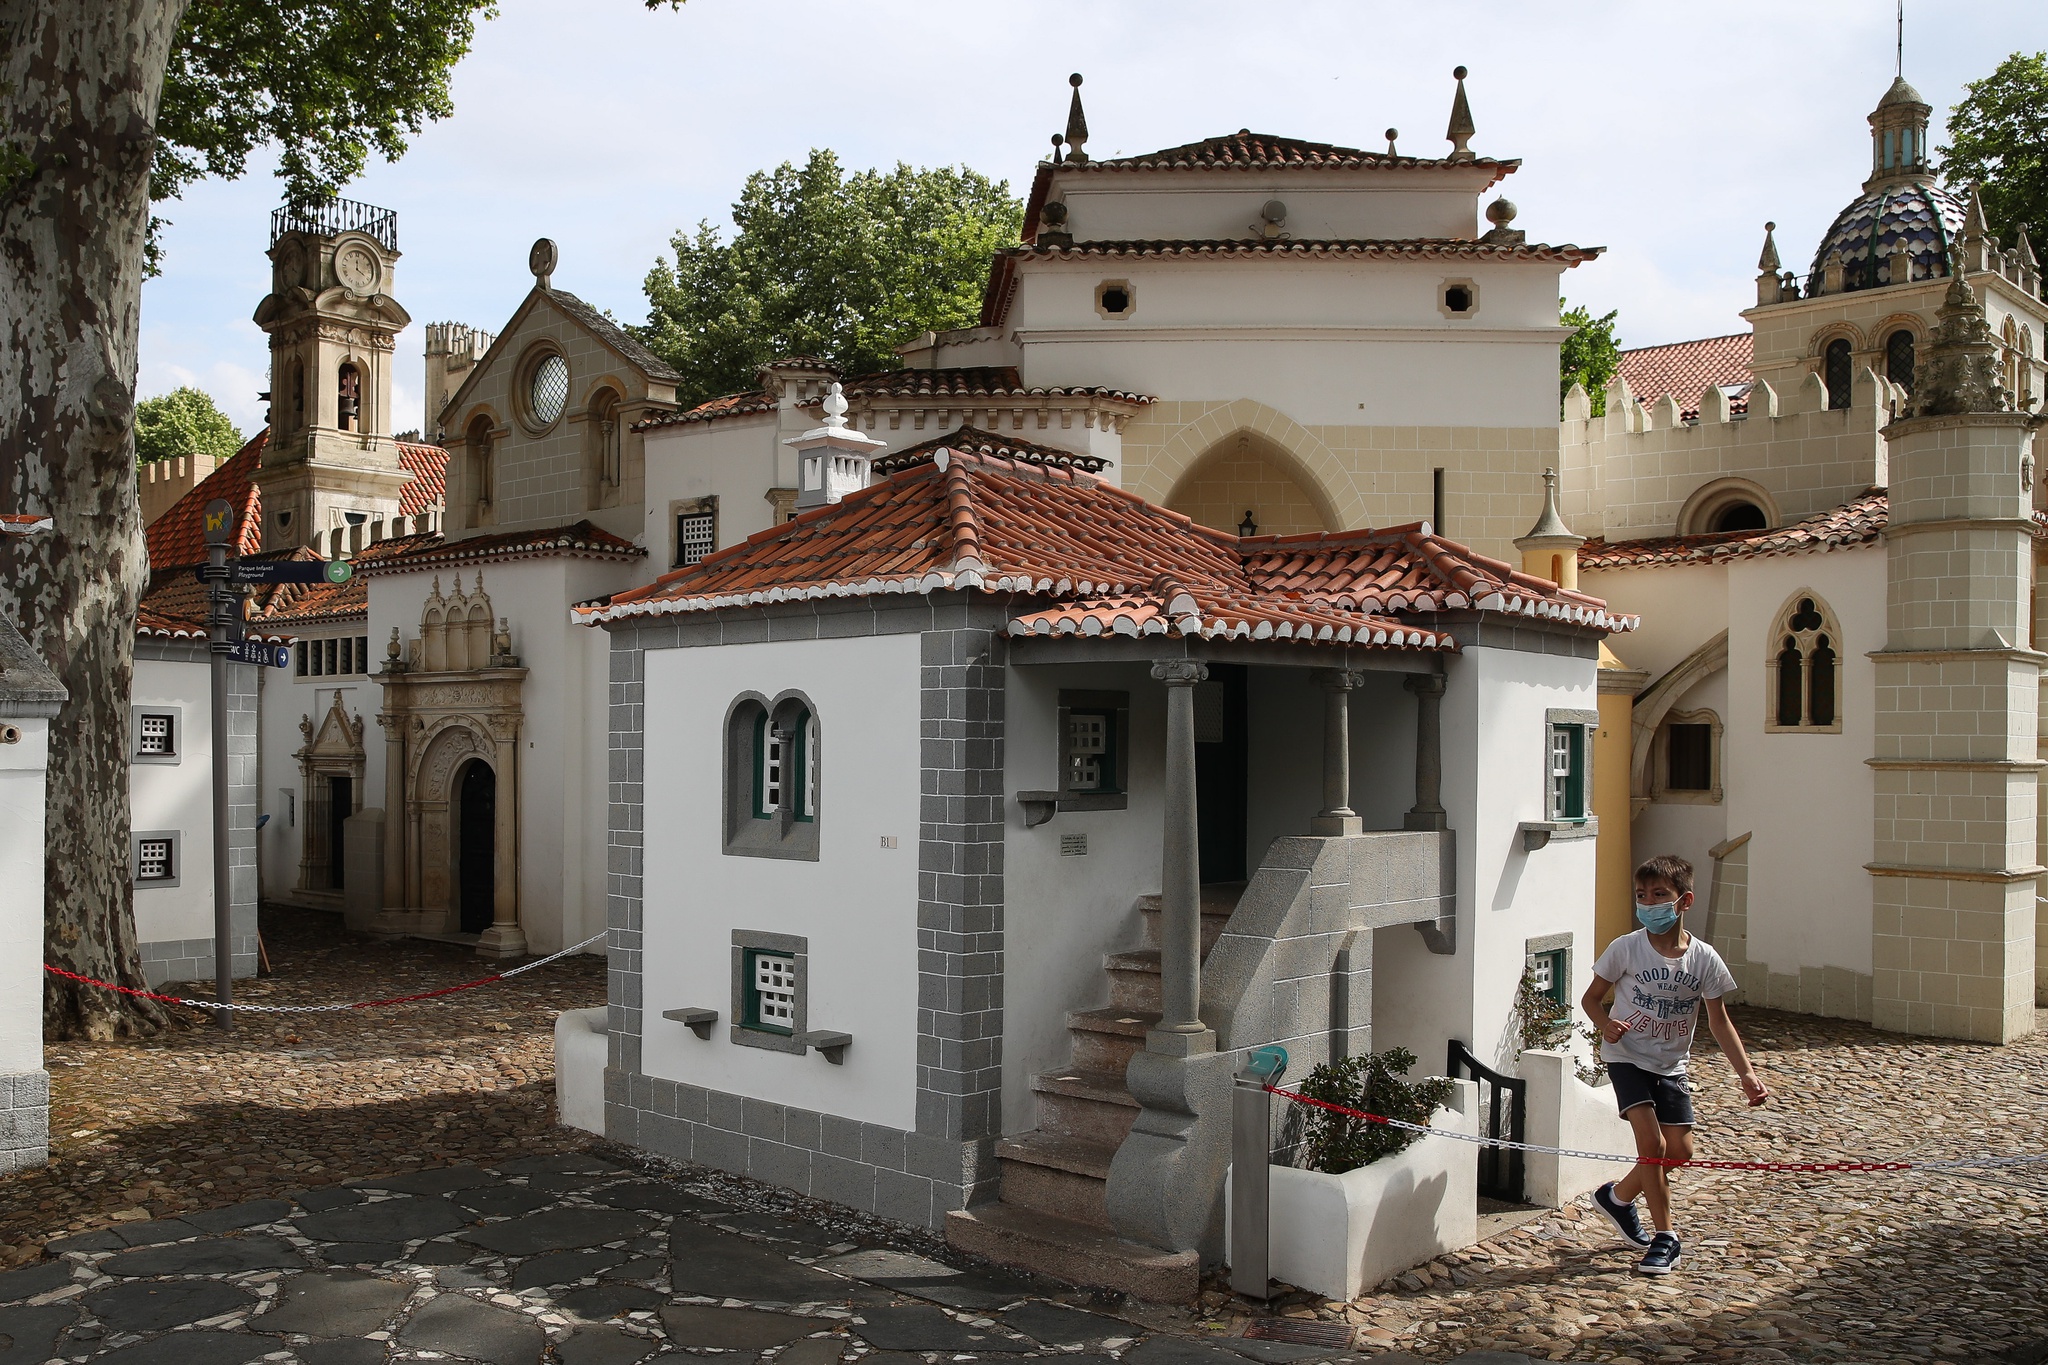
point(1685, 827)
point(22, 796)
point(1494, 762)
point(736, 459)
point(1321, 204)
point(284, 698)
point(857, 904)
point(1805, 798)
point(1682, 607)
point(177, 796)
point(1062, 914)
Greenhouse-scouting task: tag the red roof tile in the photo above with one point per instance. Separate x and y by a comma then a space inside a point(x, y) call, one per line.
point(22, 523)
point(974, 441)
point(174, 604)
point(1109, 562)
point(577, 540)
point(1398, 248)
point(1683, 369)
point(428, 490)
point(1247, 150)
point(732, 405)
point(1858, 522)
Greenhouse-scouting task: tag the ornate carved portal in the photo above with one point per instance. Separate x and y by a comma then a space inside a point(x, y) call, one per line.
point(331, 769)
point(451, 718)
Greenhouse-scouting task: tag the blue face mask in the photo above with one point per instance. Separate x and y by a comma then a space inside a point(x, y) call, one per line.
point(1658, 919)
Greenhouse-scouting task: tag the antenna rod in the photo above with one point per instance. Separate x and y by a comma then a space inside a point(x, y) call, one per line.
point(1902, 40)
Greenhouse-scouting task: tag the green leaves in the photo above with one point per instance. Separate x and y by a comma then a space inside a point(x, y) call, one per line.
point(1373, 1084)
point(826, 264)
point(326, 81)
point(183, 422)
point(1998, 135)
point(1590, 356)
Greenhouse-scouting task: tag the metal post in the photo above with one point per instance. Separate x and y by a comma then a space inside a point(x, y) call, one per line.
point(1251, 1171)
point(1180, 876)
point(223, 894)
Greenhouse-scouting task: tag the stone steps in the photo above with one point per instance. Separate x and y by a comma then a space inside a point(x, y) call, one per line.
point(1085, 1104)
point(1061, 1176)
point(1074, 1252)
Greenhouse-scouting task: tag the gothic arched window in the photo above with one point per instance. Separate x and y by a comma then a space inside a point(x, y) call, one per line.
point(606, 439)
point(1836, 368)
point(1898, 359)
point(1805, 686)
point(483, 473)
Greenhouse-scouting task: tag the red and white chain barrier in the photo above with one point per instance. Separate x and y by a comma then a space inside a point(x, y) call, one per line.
point(327, 1009)
point(1823, 1167)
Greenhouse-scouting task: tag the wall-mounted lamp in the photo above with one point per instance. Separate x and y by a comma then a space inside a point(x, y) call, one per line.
point(1247, 527)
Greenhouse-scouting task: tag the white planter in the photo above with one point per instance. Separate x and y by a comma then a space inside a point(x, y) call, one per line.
point(1339, 1234)
point(581, 1047)
point(1566, 1112)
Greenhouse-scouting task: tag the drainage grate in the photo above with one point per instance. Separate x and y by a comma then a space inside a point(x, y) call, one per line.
point(1301, 1331)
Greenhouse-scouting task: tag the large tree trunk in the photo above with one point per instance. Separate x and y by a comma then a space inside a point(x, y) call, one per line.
point(81, 84)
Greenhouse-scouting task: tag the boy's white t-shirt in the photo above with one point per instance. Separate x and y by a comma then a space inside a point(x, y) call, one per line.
point(1658, 997)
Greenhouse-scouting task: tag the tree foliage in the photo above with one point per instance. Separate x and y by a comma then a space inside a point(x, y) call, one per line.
point(823, 263)
point(183, 422)
point(1998, 136)
point(1590, 356)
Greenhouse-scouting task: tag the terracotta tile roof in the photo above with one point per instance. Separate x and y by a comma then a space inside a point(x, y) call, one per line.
point(732, 405)
point(965, 381)
point(22, 523)
point(1683, 369)
point(1398, 248)
point(174, 604)
point(1247, 150)
point(177, 537)
point(615, 336)
point(801, 362)
point(974, 441)
point(1102, 560)
point(428, 490)
point(577, 540)
point(1858, 522)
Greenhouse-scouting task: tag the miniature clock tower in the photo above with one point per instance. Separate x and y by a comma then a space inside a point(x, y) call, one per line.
point(332, 322)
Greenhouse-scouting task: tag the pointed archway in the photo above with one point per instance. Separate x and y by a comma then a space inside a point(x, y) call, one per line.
point(1247, 474)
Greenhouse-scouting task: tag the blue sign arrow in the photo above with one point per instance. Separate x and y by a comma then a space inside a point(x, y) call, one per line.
point(256, 652)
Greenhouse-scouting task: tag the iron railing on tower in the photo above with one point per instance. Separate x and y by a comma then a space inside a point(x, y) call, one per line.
point(334, 217)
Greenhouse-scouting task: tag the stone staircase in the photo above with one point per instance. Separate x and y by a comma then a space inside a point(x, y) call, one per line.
point(1052, 1216)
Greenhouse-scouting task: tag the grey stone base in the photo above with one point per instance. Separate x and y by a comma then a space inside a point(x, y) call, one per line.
point(909, 1177)
point(1831, 992)
point(191, 959)
point(24, 1120)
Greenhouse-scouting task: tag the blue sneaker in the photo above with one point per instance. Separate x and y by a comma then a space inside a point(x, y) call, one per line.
point(1662, 1257)
point(1623, 1216)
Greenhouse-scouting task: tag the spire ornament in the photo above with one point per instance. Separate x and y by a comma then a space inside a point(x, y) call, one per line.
point(1077, 125)
point(1461, 130)
point(1768, 262)
point(1961, 372)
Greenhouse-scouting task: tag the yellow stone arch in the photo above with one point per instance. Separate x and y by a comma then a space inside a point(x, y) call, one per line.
point(1179, 471)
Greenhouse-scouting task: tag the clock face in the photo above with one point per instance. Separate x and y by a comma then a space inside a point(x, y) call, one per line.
point(290, 268)
point(356, 267)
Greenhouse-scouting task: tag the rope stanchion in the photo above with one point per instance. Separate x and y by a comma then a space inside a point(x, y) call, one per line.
point(1697, 1163)
point(327, 1009)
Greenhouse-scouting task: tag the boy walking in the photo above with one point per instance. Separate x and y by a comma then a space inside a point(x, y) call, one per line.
point(1659, 975)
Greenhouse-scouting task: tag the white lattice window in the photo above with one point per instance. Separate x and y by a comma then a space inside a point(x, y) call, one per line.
point(774, 769)
point(1567, 772)
point(154, 735)
point(1090, 751)
point(696, 537)
point(807, 747)
point(774, 987)
point(153, 860)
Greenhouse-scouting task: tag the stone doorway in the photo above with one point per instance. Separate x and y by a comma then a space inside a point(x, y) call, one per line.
point(476, 846)
point(331, 775)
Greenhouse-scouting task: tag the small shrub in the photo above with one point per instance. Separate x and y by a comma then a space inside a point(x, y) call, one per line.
point(1336, 1143)
point(1539, 1025)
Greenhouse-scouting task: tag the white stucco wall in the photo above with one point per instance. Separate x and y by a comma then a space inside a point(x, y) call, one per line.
point(1805, 798)
point(284, 698)
point(1322, 204)
point(22, 793)
point(856, 905)
point(1063, 913)
point(1494, 762)
point(736, 459)
point(1682, 607)
point(1682, 824)
point(177, 796)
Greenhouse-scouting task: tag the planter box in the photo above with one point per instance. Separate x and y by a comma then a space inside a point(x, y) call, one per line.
point(1566, 1112)
point(581, 1049)
point(1339, 1234)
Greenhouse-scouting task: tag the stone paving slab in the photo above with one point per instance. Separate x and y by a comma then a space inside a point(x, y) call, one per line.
point(558, 1230)
point(502, 1201)
point(602, 1346)
point(152, 1305)
point(657, 1197)
point(713, 1264)
point(434, 1180)
point(362, 1253)
point(1055, 1324)
point(921, 1327)
point(333, 1303)
point(207, 1256)
point(475, 1331)
point(236, 1216)
point(28, 1336)
point(602, 1302)
point(403, 1219)
point(32, 1280)
point(735, 1329)
point(564, 1267)
point(192, 1348)
point(354, 1351)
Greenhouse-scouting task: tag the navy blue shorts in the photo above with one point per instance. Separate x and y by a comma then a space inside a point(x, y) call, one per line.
point(1672, 1095)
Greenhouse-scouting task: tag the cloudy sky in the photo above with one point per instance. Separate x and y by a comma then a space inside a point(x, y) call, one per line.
point(1666, 132)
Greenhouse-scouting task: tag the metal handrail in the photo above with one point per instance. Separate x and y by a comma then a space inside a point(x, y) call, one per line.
point(336, 216)
point(1500, 1170)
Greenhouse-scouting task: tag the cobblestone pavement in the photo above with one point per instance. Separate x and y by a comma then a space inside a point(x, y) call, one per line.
point(1871, 1269)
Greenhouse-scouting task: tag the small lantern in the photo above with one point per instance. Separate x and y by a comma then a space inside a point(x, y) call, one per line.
point(1247, 527)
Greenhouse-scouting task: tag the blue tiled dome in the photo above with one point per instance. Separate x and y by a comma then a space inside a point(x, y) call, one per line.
point(1866, 233)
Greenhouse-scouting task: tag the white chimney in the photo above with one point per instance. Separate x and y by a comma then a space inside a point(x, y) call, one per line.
point(832, 460)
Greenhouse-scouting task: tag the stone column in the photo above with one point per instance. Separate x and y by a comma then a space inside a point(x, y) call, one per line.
point(1336, 816)
point(1180, 1031)
point(397, 827)
point(504, 938)
point(1428, 811)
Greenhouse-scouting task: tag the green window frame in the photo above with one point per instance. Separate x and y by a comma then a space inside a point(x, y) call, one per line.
point(1567, 757)
point(786, 767)
point(1551, 970)
point(769, 991)
point(803, 767)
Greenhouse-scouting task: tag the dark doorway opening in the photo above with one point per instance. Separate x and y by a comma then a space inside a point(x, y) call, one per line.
point(477, 848)
point(341, 804)
point(1220, 773)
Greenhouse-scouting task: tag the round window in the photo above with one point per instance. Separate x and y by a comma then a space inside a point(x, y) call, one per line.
point(550, 391)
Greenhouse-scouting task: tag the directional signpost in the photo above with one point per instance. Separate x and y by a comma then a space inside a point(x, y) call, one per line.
point(225, 579)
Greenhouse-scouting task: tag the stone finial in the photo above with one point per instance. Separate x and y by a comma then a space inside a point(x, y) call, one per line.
point(1392, 133)
point(835, 406)
point(1550, 526)
point(1057, 143)
point(2025, 249)
point(1461, 130)
point(1501, 213)
point(1768, 262)
point(1960, 372)
point(392, 648)
point(542, 259)
point(1976, 244)
point(1077, 125)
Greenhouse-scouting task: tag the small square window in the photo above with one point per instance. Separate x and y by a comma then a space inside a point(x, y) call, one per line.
point(155, 736)
point(1091, 751)
point(1691, 758)
point(1549, 973)
point(768, 990)
point(154, 857)
point(695, 537)
point(772, 987)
